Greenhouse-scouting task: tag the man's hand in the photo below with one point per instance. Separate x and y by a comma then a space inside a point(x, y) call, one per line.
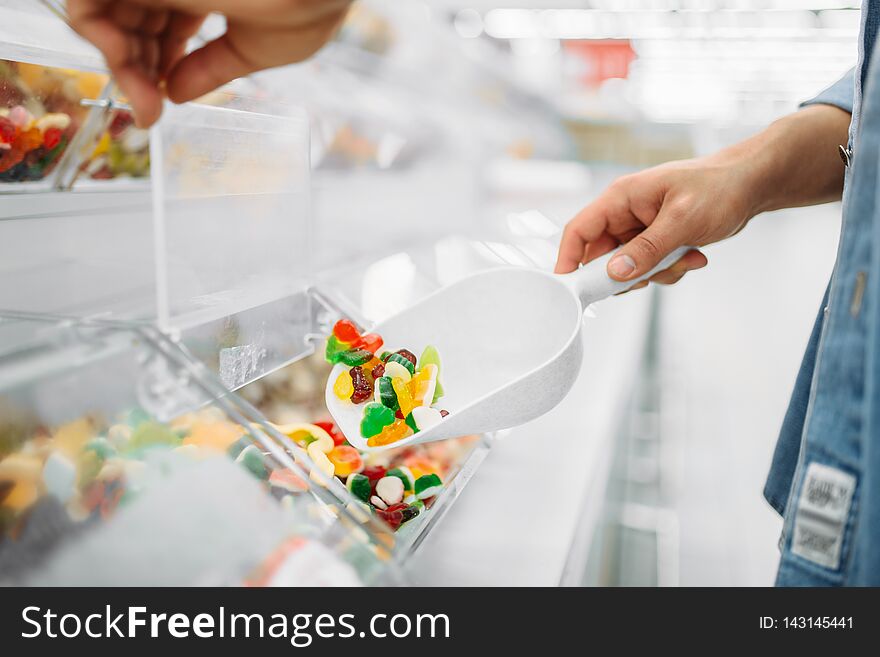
point(144, 42)
point(697, 202)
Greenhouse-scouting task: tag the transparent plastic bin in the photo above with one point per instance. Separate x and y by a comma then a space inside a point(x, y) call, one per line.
point(214, 250)
point(119, 465)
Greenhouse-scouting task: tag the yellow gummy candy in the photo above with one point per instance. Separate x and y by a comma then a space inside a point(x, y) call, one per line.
point(404, 398)
point(343, 388)
point(422, 385)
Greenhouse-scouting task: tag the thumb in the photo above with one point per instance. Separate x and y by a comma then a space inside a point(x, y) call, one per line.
point(645, 251)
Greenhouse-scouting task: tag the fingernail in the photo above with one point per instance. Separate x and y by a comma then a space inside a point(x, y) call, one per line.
point(622, 266)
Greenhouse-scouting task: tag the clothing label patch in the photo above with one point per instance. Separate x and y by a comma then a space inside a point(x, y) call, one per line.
point(822, 512)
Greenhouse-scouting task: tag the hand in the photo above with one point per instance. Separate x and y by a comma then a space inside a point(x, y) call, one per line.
point(144, 42)
point(792, 163)
point(653, 212)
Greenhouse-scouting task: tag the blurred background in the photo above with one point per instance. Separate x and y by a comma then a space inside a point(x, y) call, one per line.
point(447, 136)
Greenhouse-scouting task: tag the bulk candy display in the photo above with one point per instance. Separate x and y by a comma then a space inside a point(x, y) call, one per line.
point(394, 494)
point(400, 390)
point(88, 469)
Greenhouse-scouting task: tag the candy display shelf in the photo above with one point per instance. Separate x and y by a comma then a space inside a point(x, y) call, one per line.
point(165, 297)
point(114, 446)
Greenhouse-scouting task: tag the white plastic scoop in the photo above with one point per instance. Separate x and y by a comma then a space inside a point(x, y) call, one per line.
point(509, 339)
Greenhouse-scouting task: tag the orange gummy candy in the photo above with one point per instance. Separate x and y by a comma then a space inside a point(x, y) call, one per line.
point(390, 434)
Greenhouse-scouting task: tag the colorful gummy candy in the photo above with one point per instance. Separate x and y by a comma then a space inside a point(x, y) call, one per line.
point(400, 389)
point(29, 147)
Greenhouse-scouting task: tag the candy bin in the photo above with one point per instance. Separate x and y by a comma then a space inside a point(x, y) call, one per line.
point(118, 465)
point(41, 113)
point(408, 489)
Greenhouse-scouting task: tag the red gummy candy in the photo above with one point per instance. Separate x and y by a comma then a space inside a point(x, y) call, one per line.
point(346, 331)
point(397, 514)
point(374, 473)
point(399, 414)
point(378, 371)
point(443, 413)
point(371, 342)
point(7, 130)
point(363, 388)
point(333, 430)
point(52, 138)
point(406, 353)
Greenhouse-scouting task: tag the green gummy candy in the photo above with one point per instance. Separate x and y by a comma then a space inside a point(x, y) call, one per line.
point(384, 356)
point(334, 349)
point(376, 418)
point(151, 434)
point(238, 447)
point(252, 460)
point(403, 360)
point(430, 356)
point(404, 474)
point(359, 486)
point(428, 486)
point(385, 393)
point(411, 423)
point(355, 357)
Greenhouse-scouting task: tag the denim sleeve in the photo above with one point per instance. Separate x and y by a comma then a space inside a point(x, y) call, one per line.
point(840, 94)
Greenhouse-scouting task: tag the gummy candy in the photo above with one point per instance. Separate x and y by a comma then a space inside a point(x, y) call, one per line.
point(385, 394)
point(423, 385)
point(252, 460)
point(362, 389)
point(405, 475)
point(7, 130)
point(406, 353)
point(430, 356)
point(374, 473)
point(343, 388)
point(403, 360)
point(376, 417)
point(390, 434)
point(333, 430)
point(378, 371)
point(355, 357)
point(334, 349)
point(359, 485)
point(404, 398)
point(288, 480)
point(371, 342)
point(397, 371)
point(322, 463)
point(419, 465)
point(377, 502)
point(305, 435)
point(423, 418)
point(345, 331)
point(428, 486)
point(346, 460)
point(397, 514)
point(390, 489)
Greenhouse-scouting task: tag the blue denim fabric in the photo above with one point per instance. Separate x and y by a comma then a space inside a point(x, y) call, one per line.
point(834, 415)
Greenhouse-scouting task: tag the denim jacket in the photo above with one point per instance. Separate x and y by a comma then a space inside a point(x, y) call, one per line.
point(825, 475)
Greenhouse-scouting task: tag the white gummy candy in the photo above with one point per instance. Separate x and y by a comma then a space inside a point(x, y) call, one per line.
point(390, 489)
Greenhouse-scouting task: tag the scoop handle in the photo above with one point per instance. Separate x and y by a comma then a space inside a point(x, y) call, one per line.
point(592, 283)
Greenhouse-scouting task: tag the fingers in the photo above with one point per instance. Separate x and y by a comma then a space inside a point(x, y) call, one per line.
point(645, 250)
point(581, 236)
point(689, 262)
point(206, 69)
